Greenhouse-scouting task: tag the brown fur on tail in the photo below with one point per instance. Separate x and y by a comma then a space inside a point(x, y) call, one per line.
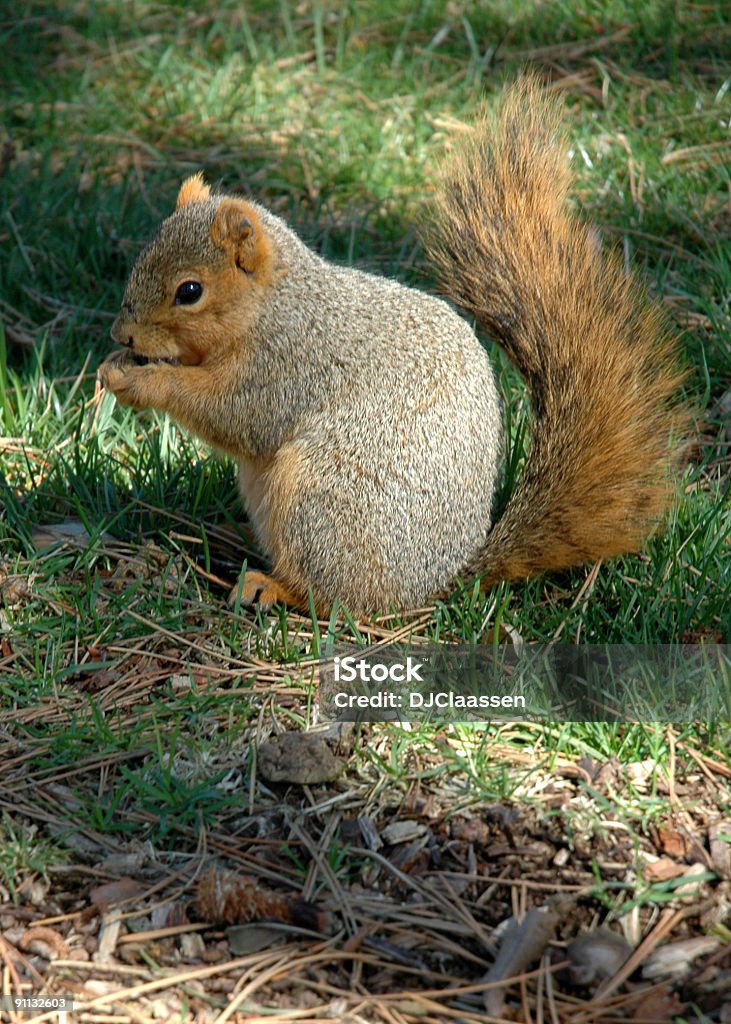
point(600, 366)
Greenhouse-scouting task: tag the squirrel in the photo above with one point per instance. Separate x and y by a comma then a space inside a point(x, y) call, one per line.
point(364, 414)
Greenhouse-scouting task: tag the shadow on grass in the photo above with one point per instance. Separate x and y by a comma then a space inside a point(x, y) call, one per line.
point(82, 189)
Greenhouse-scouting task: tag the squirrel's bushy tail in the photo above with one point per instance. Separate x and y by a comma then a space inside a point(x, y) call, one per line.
point(600, 366)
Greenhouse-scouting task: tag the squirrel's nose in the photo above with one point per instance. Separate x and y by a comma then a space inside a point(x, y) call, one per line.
point(120, 332)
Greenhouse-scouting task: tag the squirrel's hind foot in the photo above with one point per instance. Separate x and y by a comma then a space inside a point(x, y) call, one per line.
point(265, 591)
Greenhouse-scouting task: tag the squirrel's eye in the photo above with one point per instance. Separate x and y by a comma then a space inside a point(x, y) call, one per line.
point(188, 292)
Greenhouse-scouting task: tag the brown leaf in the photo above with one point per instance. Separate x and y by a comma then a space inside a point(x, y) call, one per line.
point(662, 869)
point(106, 896)
point(671, 842)
point(470, 830)
point(659, 1004)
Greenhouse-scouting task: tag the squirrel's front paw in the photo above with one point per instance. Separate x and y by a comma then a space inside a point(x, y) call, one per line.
point(131, 383)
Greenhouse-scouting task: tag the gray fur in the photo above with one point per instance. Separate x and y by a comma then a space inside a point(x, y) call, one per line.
point(382, 395)
point(392, 402)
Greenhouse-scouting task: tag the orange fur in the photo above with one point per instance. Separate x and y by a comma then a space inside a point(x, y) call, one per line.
point(193, 190)
point(262, 589)
point(237, 229)
point(601, 367)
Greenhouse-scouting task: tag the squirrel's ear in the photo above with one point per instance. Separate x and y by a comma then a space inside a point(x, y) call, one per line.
point(193, 190)
point(237, 229)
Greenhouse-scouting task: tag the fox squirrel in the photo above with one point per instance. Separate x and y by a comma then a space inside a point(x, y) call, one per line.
point(364, 415)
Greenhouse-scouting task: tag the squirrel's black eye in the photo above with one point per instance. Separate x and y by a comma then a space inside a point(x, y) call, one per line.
point(188, 292)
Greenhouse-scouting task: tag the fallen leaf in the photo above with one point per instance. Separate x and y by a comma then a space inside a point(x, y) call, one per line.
point(675, 959)
point(658, 1004)
point(402, 831)
point(662, 869)
point(104, 897)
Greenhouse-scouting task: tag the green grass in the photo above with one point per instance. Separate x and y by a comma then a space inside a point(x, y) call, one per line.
point(336, 115)
point(23, 855)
